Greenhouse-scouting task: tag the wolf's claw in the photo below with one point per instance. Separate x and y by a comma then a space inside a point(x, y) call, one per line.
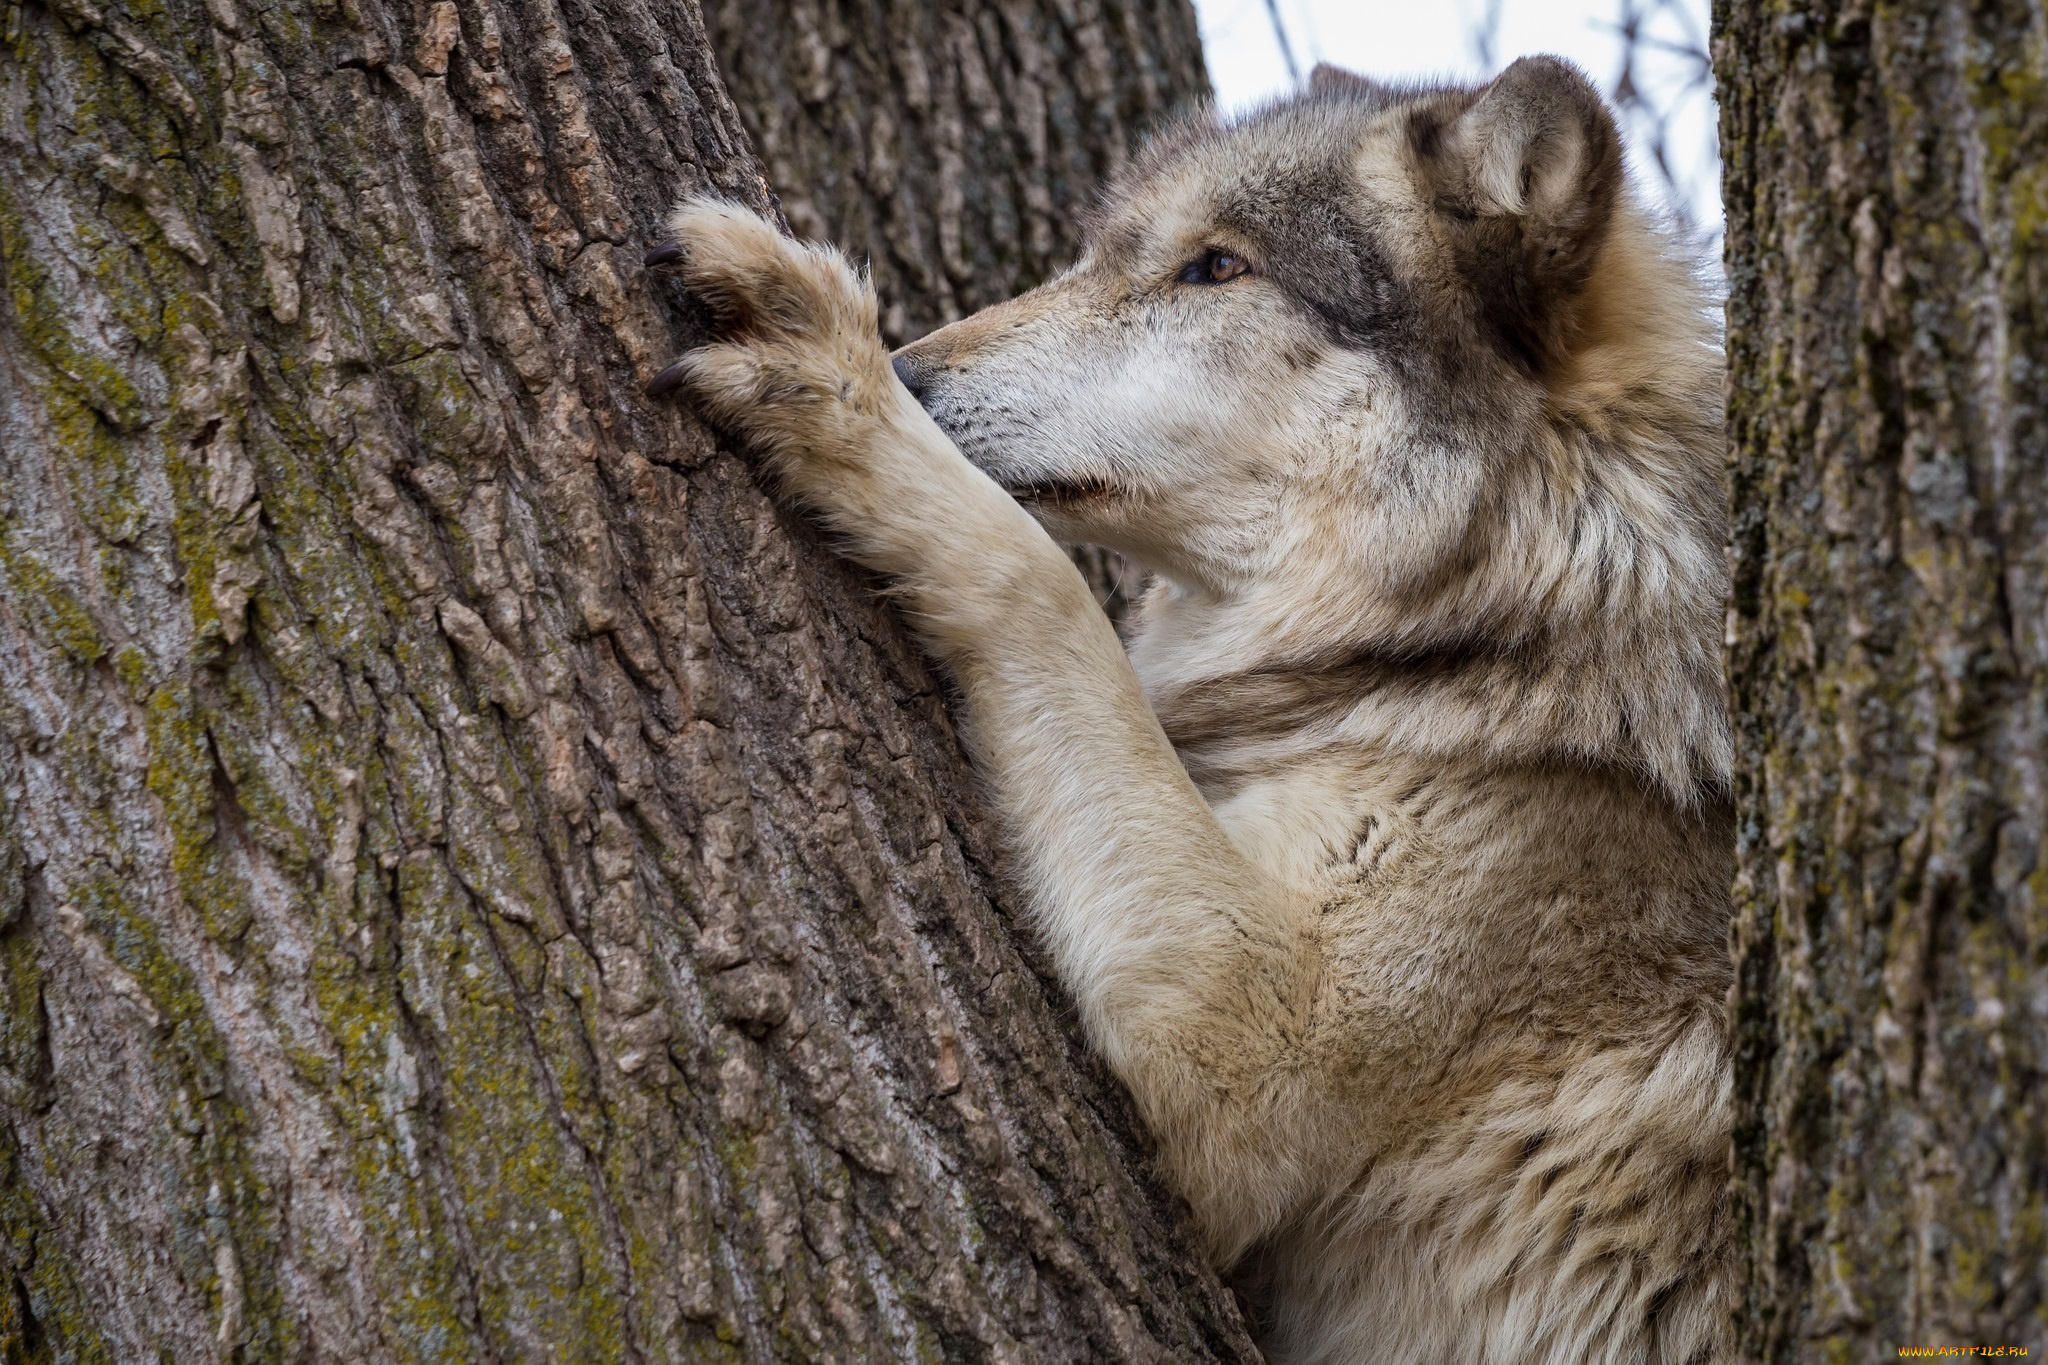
point(668, 380)
point(668, 253)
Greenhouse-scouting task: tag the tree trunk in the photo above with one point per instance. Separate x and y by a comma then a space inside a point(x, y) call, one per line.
point(955, 147)
point(1887, 192)
point(477, 881)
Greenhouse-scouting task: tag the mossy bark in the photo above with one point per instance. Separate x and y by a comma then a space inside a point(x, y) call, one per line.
point(955, 147)
point(477, 881)
point(1887, 193)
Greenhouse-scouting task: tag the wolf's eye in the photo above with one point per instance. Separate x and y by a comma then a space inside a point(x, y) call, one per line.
point(1214, 267)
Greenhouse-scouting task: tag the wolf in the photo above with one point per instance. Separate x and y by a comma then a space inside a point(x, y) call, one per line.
point(1388, 865)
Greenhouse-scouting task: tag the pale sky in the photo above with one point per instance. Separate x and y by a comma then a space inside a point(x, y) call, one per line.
point(1393, 38)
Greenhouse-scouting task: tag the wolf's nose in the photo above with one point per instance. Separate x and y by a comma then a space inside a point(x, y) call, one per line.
point(913, 375)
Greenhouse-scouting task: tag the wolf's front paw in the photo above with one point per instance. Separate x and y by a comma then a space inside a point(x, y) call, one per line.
point(799, 369)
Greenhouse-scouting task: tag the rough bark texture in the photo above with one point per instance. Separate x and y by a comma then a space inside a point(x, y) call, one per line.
point(1887, 191)
point(954, 147)
point(476, 881)
point(951, 146)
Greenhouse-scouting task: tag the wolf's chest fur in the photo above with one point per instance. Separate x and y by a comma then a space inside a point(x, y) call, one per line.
point(1536, 935)
point(1540, 948)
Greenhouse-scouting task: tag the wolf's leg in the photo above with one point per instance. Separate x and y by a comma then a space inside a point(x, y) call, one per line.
point(1192, 969)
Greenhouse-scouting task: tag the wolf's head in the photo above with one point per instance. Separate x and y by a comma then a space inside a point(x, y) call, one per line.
point(1405, 370)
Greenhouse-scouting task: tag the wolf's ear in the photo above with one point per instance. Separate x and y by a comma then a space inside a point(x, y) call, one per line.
point(1526, 181)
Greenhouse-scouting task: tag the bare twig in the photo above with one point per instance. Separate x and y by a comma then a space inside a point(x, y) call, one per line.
point(1286, 48)
point(1651, 119)
point(1483, 38)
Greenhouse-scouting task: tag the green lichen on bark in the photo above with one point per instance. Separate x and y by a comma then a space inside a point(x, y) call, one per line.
point(1889, 669)
point(44, 1319)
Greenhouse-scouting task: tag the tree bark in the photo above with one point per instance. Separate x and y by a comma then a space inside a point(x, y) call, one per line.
point(955, 147)
point(1887, 191)
point(951, 147)
point(477, 881)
